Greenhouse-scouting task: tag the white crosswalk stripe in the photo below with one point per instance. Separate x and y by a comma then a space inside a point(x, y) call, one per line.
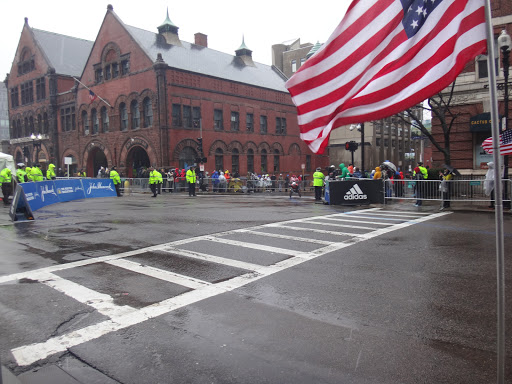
point(303, 230)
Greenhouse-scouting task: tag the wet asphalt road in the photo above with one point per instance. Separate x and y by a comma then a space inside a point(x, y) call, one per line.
point(214, 289)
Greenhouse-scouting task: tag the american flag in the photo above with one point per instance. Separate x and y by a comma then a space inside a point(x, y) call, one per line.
point(505, 143)
point(384, 57)
point(92, 96)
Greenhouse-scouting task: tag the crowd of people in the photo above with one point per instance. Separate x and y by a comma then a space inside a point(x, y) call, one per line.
point(180, 180)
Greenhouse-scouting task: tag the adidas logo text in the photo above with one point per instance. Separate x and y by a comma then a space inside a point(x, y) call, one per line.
point(355, 193)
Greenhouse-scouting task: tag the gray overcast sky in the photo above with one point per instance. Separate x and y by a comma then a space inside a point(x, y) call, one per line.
point(263, 23)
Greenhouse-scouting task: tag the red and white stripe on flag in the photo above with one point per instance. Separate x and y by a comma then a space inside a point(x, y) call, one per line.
point(384, 57)
point(505, 144)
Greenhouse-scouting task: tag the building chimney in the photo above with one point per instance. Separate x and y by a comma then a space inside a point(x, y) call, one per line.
point(201, 39)
point(169, 31)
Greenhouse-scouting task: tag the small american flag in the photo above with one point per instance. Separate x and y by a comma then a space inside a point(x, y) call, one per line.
point(506, 137)
point(505, 143)
point(92, 96)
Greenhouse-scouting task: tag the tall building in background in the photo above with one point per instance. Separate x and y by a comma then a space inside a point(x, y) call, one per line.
point(289, 56)
point(4, 119)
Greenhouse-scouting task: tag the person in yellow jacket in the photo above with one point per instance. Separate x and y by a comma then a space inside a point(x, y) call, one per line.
point(28, 177)
point(114, 176)
point(318, 183)
point(6, 181)
point(21, 175)
point(155, 178)
point(423, 170)
point(191, 181)
point(37, 174)
point(50, 172)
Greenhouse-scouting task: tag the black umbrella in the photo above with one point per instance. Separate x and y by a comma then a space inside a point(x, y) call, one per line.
point(452, 169)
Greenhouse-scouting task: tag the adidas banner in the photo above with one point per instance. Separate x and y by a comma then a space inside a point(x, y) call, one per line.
point(356, 192)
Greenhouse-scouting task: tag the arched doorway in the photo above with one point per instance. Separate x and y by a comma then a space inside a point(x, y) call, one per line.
point(19, 158)
point(97, 159)
point(136, 160)
point(187, 157)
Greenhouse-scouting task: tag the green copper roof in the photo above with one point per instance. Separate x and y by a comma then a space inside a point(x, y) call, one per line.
point(315, 48)
point(168, 22)
point(243, 46)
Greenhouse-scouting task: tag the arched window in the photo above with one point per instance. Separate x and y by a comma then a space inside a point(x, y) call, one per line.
point(250, 160)
point(31, 125)
point(148, 112)
point(187, 157)
point(94, 121)
point(46, 123)
point(123, 115)
point(85, 122)
point(26, 130)
point(276, 160)
point(134, 110)
point(104, 119)
point(39, 124)
point(14, 130)
point(20, 128)
point(219, 159)
point(264, 161)
point(235, 164)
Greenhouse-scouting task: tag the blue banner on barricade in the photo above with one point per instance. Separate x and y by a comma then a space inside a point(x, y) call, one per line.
point(40, 194)
point(99, 188)
point(32, 196)
point(69, 189)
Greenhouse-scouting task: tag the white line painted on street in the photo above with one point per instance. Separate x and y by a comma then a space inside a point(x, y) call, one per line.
point(315, 230)
point(211, 258)
point(357, 221)
point(316, 222)
point(124, 316)
point(157, 273)
point(285, 237)
point(259, 247)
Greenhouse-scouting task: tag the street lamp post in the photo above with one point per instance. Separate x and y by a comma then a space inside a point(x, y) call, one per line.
point(504, 43)
point(36, 144)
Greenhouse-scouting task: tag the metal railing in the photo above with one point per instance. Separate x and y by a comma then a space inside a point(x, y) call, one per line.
point(208, 185)
point(470, 191)
point(452, 190)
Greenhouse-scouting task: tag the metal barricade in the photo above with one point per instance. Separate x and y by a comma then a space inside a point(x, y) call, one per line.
point(469, 191)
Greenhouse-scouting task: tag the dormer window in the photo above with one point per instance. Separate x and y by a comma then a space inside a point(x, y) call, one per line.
point(108, 72)
point(27, 63)
point(125, 67)
point(99, 75)
point(112, 64)
point(115, 70)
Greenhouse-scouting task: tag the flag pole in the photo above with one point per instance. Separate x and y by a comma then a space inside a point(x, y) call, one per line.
point(500, 260)
point(92, 91)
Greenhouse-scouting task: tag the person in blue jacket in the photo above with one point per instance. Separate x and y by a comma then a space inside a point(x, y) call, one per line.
point(215, 181)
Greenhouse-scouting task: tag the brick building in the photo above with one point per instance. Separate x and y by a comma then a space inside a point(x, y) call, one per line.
point(290, 55)
point(471, 101)
point(136, 98)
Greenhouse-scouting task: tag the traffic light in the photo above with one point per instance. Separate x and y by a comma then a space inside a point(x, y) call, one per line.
point(351, 146)
point(200, 146)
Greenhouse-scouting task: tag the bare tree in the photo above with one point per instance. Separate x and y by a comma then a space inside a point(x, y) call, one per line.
point(440, 107)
